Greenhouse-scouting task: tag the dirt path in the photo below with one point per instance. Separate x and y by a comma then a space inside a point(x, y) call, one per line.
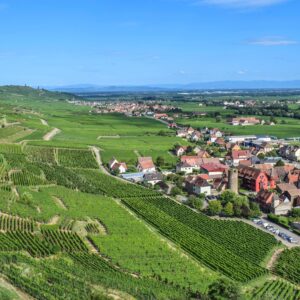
point(15, 191)
point(274, 258)
point(137, 153)
point(44, 122)
point(54, 220)
point(91, 245)
point(49, 136)
point(96, 152)
point(59, 203)
point(7, 285)
point(108, 137)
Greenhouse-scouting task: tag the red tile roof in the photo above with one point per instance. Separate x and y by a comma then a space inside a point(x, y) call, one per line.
point(146, 163)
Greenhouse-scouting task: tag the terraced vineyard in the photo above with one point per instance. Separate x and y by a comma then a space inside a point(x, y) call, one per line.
point(206, 239)
point(17, 240)
point(77, 159)
point(41, 154)
point(64, 240)
point(288, 265)
point(68, 231)
point(10, 223)
point(277, 289)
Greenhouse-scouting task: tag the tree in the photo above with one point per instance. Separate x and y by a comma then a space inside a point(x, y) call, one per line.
point(189, 150)
point(255, 210)
point(261, 156)
point(245, 211)
point(228, 196)
point(223, 289)
point(195, 202)
point(175, 191)
point(160, 161)
point(295, 212)
point(218, 119)
point(280, 163)
point(228, 209)
point(237, 210)
point(273, 120)
point(214, 207)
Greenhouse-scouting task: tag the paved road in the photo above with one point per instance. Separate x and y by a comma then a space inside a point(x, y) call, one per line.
point(286, 231)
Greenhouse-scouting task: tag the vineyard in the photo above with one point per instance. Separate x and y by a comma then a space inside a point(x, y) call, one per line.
point(92, 228)
point(77, 159)
point(205, 250)
point(10, 223)
point(67, 278)
point(26, 178)
point(288, 265)
point(41, 154)
point(278, 290)
point(68, 231)
point(17, 240)
point(65, 241)
point(208, 240)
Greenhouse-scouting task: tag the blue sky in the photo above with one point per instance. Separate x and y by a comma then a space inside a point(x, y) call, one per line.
point(136, 42)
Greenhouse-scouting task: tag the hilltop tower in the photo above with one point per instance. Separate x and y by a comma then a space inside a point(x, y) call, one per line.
point(233, 180)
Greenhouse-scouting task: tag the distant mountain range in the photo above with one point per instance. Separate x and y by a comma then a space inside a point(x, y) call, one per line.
point(217, 85)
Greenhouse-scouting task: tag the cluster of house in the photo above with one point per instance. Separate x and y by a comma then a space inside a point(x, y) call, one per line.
point(285, 193)
point(206, 174)
point(131, 108)
point(118, 167)
point(247, 155)
point(246, 103)
point(134, 108)
point(244, 121)
point(214, 135)
point(147, 172)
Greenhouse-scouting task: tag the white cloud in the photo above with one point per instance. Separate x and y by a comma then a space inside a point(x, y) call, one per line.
point(242, 3)
point(242, 72)
point(272, 41)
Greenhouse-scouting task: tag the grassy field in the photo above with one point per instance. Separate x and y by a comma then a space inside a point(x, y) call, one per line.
point(290, 129)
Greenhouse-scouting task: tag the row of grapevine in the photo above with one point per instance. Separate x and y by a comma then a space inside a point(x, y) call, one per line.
point(26, 178)
point(17, 240)
point(10, 223)
point(11, 148)
point(92, 228)
point(141, 288)
point(288, 265)
point(239, 237)
point(73, 158)
point(202, 248)
point(41, 154)
point(65, 241)
point(66, 224)
point(60, 280)
point(278, 290)
point(51, 283)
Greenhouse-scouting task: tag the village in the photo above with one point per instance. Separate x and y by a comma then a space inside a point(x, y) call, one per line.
point(227, 176)
point(128, 108)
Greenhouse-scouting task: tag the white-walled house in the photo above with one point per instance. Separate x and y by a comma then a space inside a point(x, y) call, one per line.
point(146, 165)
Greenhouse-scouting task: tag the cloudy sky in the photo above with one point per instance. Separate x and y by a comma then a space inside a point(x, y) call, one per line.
point(134, 42)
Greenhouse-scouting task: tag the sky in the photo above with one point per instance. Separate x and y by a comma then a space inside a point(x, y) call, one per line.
point(140, 42)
